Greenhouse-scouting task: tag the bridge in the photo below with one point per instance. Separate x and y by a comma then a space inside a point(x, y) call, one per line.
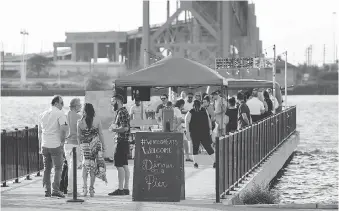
point(209, 29)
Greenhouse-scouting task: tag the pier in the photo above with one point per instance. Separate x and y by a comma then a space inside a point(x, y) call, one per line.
point(255, 153)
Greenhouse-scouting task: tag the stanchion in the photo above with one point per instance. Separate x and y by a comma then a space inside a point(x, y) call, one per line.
point(75, 191)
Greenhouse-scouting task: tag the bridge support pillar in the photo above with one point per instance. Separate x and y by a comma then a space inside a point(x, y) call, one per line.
point(144, 59)
point(74, 52)
point(95, 53)
point(225, 28)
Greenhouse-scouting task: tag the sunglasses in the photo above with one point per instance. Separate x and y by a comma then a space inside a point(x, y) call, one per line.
point(163, 98)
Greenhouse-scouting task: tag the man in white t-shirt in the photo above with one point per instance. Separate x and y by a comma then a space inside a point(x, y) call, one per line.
point(52, 128)
point(256, 107)
point(135, 110)
point(188, 103)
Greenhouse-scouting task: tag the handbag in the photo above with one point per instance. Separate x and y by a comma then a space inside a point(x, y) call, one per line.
point(64, 178)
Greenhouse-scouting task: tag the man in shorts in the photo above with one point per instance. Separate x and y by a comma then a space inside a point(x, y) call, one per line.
point(121, 126)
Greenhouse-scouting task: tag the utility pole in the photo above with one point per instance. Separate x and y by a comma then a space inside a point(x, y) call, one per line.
point(24, 33)
point(324, 61)
point(274, 71)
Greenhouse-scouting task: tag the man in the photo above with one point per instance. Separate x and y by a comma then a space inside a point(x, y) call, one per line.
point(219, 109)
point(244, 117)
point(72, 141)
point(199, 130)
point(197, 96)
point(164, 99)
point(182, 96)
point(52, 128)
point(121, 127)
point(135, 110)
point(188, 104)
point(256, 106)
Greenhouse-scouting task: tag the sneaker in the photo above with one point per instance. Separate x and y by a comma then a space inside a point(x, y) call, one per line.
point(117, 192)
point(214, 165)
point(58, 194)
point(47, 194)
point(189, 160)
point(126, 191)
point(196, 165)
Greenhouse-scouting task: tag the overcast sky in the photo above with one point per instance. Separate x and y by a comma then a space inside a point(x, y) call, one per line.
point(290, 24)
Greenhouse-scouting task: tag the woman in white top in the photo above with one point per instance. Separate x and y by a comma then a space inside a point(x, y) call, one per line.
point(179, 120)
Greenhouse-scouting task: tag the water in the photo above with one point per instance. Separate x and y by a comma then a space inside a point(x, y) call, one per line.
point(312, 175)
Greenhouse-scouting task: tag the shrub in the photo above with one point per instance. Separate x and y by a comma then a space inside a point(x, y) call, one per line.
point(260, 195)
point(43, 85)
point(97, 82)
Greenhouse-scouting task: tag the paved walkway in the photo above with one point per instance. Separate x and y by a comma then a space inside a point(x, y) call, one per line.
point(200, 187)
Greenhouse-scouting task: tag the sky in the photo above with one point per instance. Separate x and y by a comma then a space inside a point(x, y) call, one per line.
point(292, 25)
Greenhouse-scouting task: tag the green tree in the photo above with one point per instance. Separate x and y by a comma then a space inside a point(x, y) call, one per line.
point(38, 63)
point(97, 82)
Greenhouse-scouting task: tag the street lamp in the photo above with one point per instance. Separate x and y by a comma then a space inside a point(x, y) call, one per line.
point(23, 70)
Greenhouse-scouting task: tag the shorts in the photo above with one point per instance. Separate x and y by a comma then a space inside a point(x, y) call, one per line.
point(205, 142)
point(121, 154)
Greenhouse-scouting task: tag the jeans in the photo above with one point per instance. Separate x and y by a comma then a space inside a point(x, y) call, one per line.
point(52, 156)
point(69, 158)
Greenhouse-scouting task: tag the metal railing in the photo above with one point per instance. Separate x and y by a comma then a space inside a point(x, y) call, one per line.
point(20, 154)
point(239, 153)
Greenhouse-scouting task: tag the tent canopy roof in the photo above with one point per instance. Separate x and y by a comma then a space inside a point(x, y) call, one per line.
point(173, 71)
point(182, 72)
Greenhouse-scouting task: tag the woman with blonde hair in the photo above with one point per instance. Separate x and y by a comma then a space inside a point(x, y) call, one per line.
point(92, 148)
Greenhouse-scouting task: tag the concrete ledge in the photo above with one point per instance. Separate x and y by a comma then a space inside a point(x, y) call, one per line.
point(327, 206)
point(291, 206)
point(298, 206)
point(266, 171)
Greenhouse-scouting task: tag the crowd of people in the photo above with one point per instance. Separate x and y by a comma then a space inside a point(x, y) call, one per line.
point(199, 117)
point(59, 133)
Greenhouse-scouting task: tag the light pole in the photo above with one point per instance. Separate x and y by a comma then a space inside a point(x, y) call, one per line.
point(285, 53)
point(274, 71)
point(334, 29)
point(23, 67)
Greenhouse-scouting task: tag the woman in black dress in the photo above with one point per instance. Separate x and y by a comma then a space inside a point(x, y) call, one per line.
point(232, 113)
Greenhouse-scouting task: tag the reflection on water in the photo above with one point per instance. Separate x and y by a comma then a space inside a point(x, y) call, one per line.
point(310, 177)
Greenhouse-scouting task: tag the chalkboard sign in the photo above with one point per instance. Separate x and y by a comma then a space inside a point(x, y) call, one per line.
point(158, 167)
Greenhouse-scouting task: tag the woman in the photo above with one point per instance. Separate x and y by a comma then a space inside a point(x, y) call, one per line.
point(269, 104)
point(206, 102)
point(179, 120)
point(92, 147)
point(232, 113)
point(199, 130)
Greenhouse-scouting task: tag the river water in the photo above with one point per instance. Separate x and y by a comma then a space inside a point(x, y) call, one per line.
point(311, 176)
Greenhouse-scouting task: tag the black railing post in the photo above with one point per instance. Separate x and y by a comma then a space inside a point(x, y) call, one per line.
point(27, 151)
point(75, 191)
point(4, 151)
point(38, 149)
point(222, 147)
point(16, 156)
point(232, 159)
point(217, 191)
point(227, 164)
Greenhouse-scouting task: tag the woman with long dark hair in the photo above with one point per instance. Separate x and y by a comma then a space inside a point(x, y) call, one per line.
point(269, 104)
point(92, 147)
